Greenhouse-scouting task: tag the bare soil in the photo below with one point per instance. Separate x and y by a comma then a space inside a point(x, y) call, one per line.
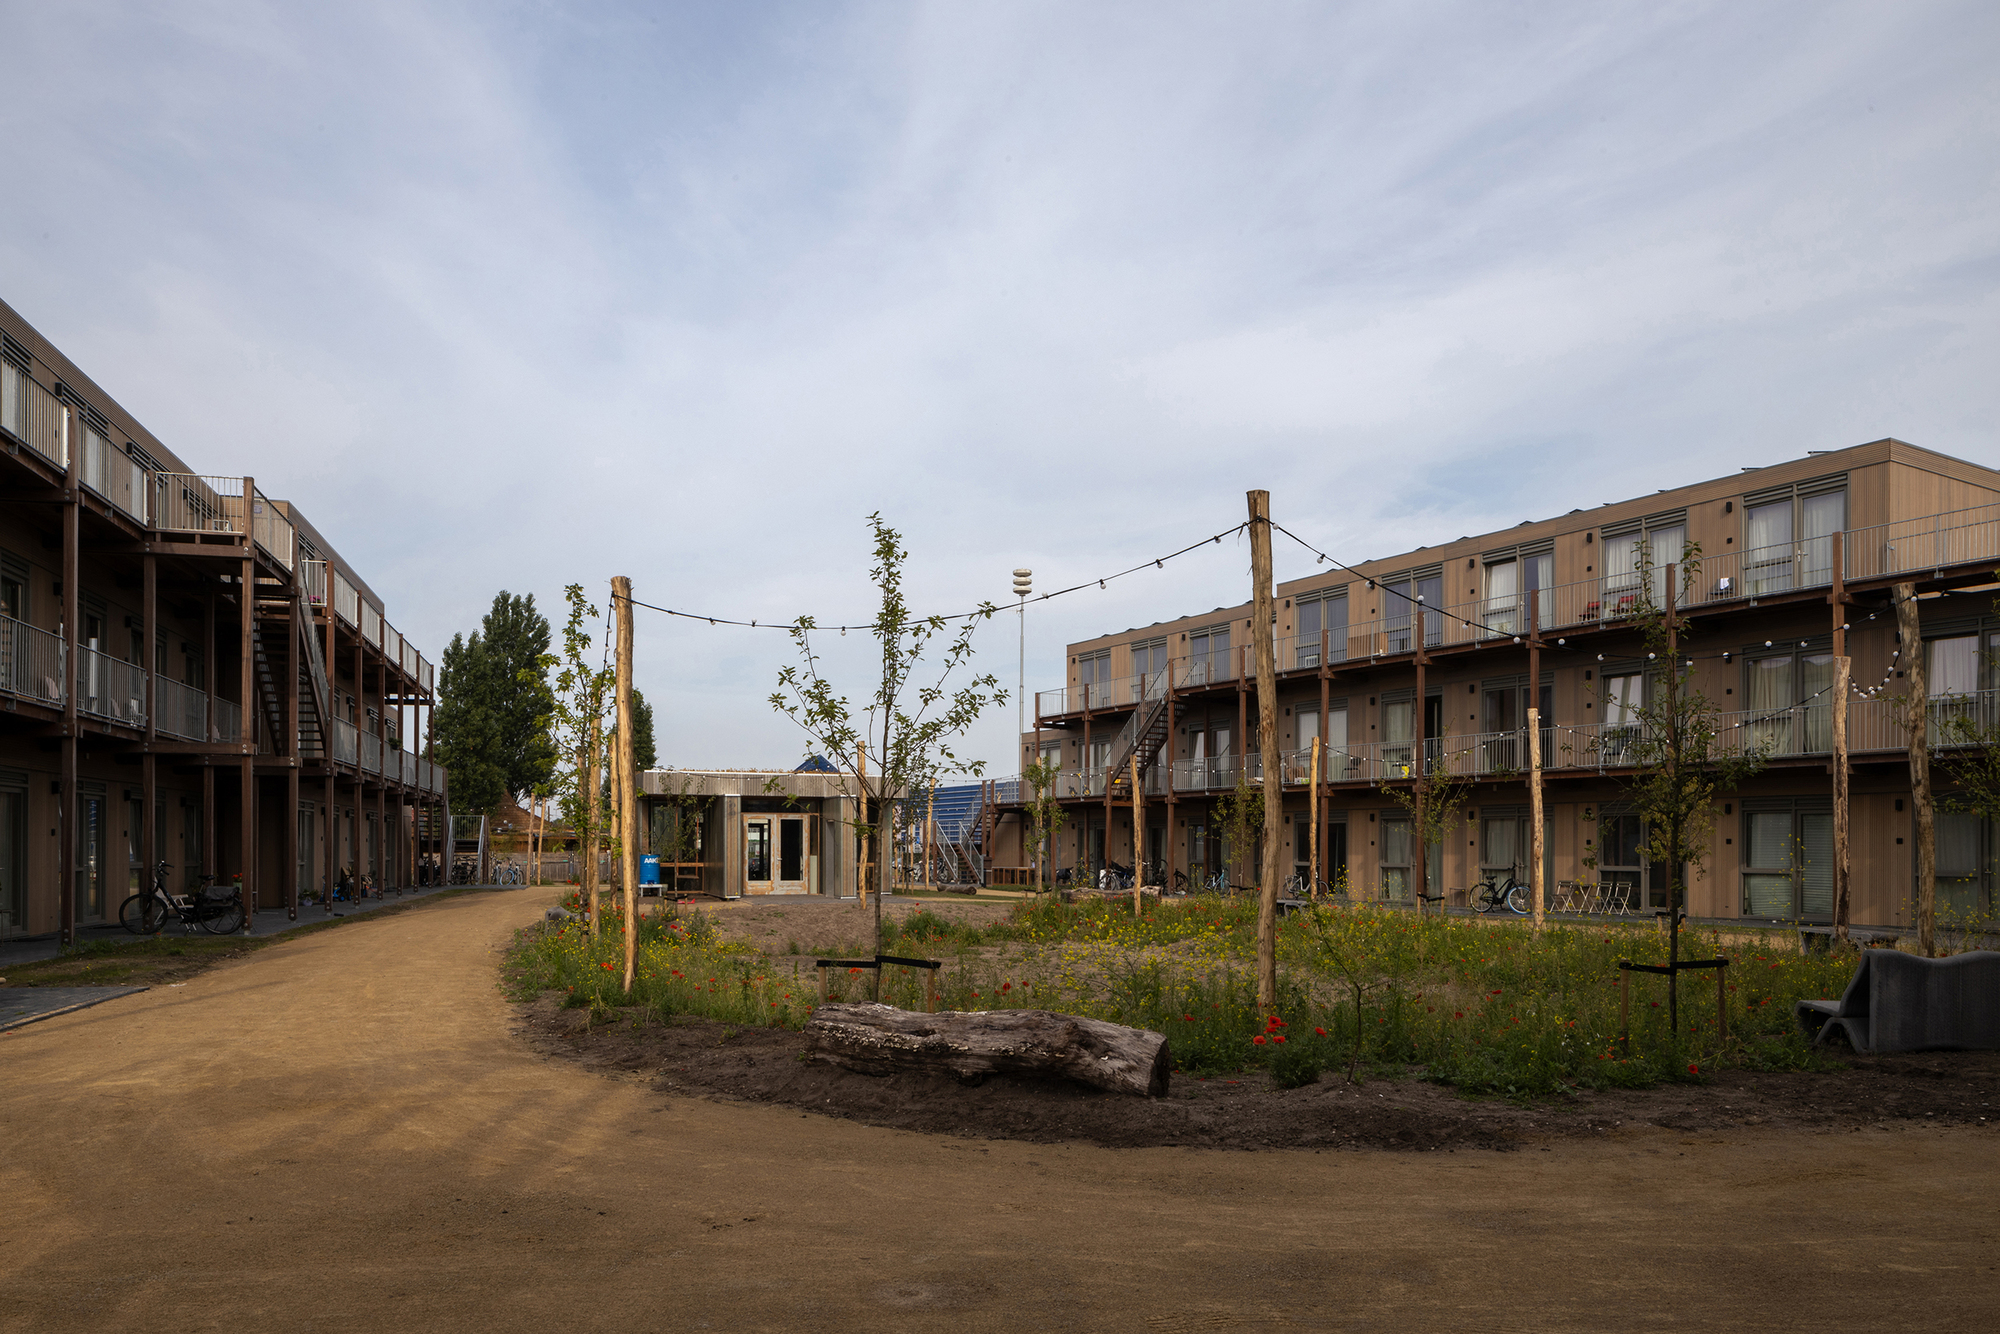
point(346, 1131)
point(697, 1057)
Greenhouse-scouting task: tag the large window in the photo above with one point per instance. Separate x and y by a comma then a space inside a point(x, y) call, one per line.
point(1318, 612)
point(1961, 679)
point(1147, 657)
point(1403, 597)
point(1788, 538)
point(1791, 702)
point(1660, 541)
point(1968, 848)
point(1788, 862)
point(1333, 763)
point(1509, 580)
point(1209, 658)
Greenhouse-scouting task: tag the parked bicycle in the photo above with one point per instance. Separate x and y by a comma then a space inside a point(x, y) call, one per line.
point(1488, 896)
point(215, 910)
point(507, 873)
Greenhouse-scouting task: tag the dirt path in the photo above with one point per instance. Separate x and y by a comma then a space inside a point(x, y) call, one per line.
point(343, 1132)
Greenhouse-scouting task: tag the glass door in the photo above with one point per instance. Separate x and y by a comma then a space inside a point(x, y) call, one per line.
point(757, 854)
point(89, 858)
point(13, 860)
point(791, 855)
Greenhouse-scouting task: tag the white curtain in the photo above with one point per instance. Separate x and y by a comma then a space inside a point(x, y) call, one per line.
point(1820, 518)
point(1667, 545)
point(1503, 589)
point(1769, 555)
point(1771, 697)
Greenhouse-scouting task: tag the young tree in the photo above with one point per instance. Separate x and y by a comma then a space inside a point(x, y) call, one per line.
point(1682, 763)
point(581, 698)
point(1045, 814)
point(1241, 815)
point(911, 718)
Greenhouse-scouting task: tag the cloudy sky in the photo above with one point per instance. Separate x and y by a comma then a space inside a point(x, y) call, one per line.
point(515, 295)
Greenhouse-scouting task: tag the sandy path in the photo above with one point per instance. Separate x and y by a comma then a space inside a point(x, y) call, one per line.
point(342, 1133)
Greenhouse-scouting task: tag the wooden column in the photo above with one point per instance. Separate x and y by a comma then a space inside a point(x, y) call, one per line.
point(1536, 853)
point(628, 807)
point(1842, 679)
point(382, 845)
point(1172, 748)
point(246, 763)
point(149, 833)
point(1138, 837)
point(294, 673)
point(1418, 853)
point(1911, 654)
point(1261, 615)
point(1312, 824)
point(331, 854)
point(66, 814)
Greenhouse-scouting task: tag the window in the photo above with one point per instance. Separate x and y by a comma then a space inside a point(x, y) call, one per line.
point(1332, 850)
point(1658, 542)
point(1317, 612)
point(1624, 697)
point(1788, 536)
point(1621, 855)
point(13, 854)
point(1791, 702)
point(1209, 658)
point(1051, 752)
point(1147, 659)
point(1396, 860)
point(13, 588)
point(1788, 862)
point(1402, 595)
point(1959, 678)
point(1967, 850)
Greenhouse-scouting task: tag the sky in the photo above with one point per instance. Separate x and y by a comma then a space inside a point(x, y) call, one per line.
point(515, 295)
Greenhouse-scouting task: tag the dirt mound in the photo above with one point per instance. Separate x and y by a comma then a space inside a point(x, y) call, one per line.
point(703, 1058)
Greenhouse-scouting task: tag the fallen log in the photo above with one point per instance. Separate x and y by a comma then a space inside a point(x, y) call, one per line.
point(881, 1040)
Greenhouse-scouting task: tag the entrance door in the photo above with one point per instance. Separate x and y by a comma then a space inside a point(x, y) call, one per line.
point(791, 855)
point(757, 854)
point(90, 867)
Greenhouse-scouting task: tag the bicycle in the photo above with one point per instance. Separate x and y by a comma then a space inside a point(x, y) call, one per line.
point(1487, 897)
point(506, 873)
point(217, 912)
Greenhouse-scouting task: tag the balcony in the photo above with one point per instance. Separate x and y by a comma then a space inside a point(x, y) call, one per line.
point(1928, 546)
point(31, 663)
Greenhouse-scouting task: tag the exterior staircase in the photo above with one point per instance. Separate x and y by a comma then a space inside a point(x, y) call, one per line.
point(1143, 736)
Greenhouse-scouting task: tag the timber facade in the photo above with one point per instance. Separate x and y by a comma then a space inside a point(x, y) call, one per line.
point(189, 673)
point(1439, 653)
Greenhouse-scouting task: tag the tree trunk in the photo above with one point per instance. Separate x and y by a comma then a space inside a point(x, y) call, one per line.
point(1910, 632)
point(1841, 667)
point(882, 1040)
point(628, 779)
point(1267, 739)
point(593, 817)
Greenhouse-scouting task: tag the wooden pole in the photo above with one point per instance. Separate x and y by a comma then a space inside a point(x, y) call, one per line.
point(594, 813)
point(861, 817)
point(930, 833)
point(1843, 675)
point(1842, 666)
point(628, 804)
point(1312, 821)
point(1267, 727)
point(1172, 750)
point(1138, 833)
point(1674, 888)
point(1909, 633)
point(1535, 812)
point(1418, 853)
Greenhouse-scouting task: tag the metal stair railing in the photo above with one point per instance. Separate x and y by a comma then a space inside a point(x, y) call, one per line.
point(1144, 732)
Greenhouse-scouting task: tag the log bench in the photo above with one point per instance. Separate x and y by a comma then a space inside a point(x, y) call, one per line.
point(882, 1040)
point(1900, 1002)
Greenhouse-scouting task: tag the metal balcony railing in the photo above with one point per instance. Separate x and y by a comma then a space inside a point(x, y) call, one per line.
point(272, 530)
point(31, 662)
point(371, 753)
point(112, 474)
point(32, 415)
point(225, 718)
point(371, 625)
point(179, 710)
point(108, 687)
point(346, 602)
point(346, 742)
point(185, 502)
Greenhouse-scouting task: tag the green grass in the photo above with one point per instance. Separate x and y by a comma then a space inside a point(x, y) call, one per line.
point(1486, 1007)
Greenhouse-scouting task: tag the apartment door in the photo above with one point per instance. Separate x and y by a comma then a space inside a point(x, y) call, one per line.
point(90, 857)
point(13, 859)
point(774, 854)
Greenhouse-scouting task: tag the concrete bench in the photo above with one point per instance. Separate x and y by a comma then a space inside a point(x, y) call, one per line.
point(1899, 1002)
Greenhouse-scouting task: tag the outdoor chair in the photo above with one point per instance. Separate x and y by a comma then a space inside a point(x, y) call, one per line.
point(1900, 1002)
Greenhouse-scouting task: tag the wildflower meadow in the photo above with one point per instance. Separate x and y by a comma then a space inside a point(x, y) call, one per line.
point(1486, 1006)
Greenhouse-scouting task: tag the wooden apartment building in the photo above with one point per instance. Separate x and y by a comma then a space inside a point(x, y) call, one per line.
point(189, 672)
point(1792, 557)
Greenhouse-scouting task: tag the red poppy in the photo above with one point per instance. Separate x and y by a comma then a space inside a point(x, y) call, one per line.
point(1694, 1069)
point(1320, 1031)
point(1280, 1037)
point(1259, 1039)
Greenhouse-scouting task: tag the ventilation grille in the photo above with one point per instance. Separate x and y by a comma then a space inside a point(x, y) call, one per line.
point(15, 353)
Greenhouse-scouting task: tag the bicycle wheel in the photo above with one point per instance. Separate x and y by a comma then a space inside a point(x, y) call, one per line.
point(1521, 899)
point(225, 920)
point(142, 915)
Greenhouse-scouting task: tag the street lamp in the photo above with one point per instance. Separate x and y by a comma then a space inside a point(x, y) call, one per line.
point(1024, 584)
